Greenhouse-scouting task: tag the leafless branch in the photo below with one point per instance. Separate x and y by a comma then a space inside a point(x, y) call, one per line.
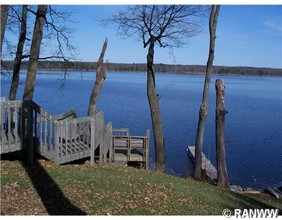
point(170, 25)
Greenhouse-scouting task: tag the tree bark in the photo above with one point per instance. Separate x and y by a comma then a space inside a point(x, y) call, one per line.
point(34, 52)
point(4, 16)
point(19, 55)
point(155, 110)
point(204, 106)
point(222, 176)
point(101, 72)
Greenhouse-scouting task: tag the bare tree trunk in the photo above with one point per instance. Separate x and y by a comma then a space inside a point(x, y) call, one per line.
point(222, 177)
point(155, 110)
point(101, 72)
point(4, 16)
point(34, 52)
point(204, 106)
point(19, 55)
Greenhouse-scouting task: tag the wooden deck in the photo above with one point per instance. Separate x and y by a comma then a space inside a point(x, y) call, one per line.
point(64, 138)
point(131, 148)
point(207, 166)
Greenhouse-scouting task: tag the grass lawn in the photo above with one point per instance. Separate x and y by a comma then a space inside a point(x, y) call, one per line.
point(46, 188)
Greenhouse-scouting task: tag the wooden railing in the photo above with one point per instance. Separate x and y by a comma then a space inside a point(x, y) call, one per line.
point(132, 148)
point(10, 126)
point(42, 131)
point(120, 132)
point(64, 138)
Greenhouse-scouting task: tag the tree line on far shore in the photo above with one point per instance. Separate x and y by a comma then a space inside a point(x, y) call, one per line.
point(160, 68)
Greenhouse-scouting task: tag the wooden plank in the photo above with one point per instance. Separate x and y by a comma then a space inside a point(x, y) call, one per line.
point(65, 159)
point(9, 124)
point(45, 130)
point(41, 130)
point(133, 157)
point(61, 143)
point(128, 148)
point(147, 149)
point(92, 140)
point(30, 136)
point(120, 132)
point(110, 142)
point(15, 117)
point(2, 123)
point(50, 132)
point(100, 136)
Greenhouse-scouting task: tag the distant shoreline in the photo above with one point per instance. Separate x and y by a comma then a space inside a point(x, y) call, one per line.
point(159, 68)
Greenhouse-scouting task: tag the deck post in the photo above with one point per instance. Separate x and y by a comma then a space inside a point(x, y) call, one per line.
point(101, 135)
point(56, 142)
point(92, 138)
point(147, 148)
point(2, 128)
point(110, 137)
point(30, 135)
point(128, 148)
point(105, 144)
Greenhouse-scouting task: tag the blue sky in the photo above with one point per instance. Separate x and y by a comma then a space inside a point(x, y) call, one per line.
point(247, 35)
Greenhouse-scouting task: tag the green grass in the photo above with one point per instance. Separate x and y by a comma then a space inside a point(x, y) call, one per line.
point(113, 190)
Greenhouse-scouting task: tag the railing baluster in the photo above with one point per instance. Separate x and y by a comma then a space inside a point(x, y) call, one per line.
point(129, 148)
point(147, 148)
point(9, 134)
point(35, 127)
point(50, 133)
point(16, 125)
point(67, 139)
point(92, 140)
point(110, 142)
point(45, 129)
point(40, 131)
point(61, 139)
point(2, 122)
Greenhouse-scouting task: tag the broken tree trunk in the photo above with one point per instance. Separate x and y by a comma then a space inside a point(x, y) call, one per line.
point(101, 72)
point(222, 176)
point(204, 106)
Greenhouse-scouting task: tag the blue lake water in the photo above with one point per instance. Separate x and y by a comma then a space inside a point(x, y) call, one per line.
point(253, 123)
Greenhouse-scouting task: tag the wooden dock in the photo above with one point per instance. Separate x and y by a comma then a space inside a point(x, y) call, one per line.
point(64, 138)
point(207, 166)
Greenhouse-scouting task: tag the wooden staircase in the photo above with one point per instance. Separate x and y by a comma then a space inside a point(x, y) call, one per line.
point(64, 138)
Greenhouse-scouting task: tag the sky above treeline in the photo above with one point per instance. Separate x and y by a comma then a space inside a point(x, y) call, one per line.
point(247, 35)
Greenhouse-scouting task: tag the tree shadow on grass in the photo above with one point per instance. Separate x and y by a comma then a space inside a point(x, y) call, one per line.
point(52, 197)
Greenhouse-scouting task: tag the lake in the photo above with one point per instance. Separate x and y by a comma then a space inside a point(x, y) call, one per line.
point(253, 123)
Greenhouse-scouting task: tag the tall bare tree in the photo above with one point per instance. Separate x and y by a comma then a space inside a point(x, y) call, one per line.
point(56, 32)
point(222, 177)
point(34, 52)
point(19, 54)
point(4, 16)
point(204, 106)
point(165, 26)
point(101, 73)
